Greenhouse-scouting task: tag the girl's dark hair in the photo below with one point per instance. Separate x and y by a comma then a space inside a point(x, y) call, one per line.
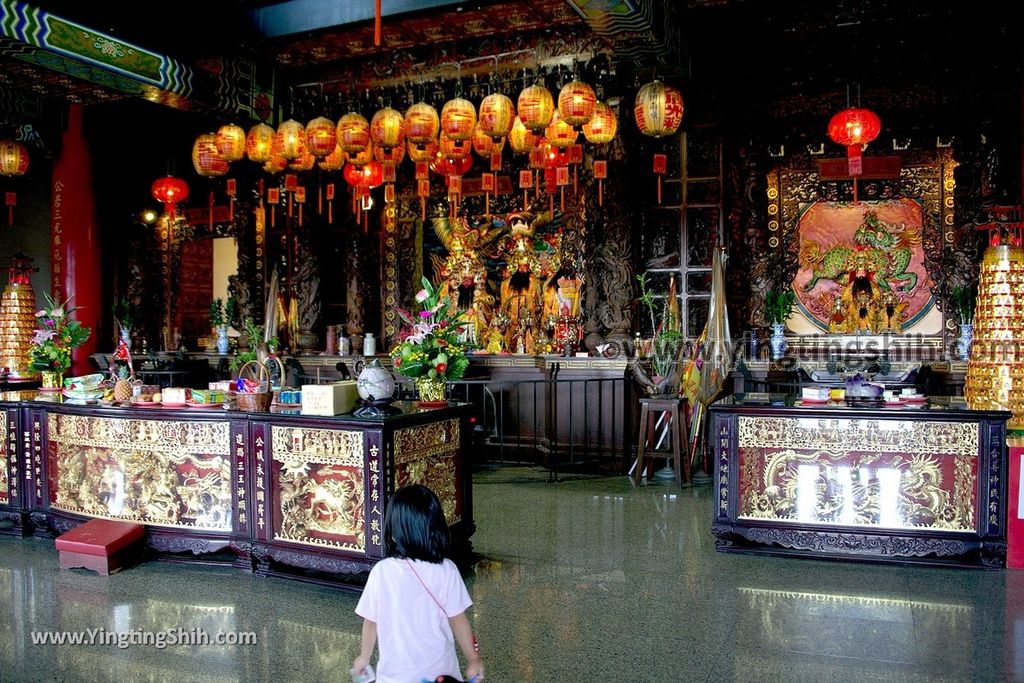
point(414, 525)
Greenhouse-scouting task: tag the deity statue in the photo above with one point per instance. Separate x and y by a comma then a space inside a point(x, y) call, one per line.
point(561, 310)
point(463, 274)
point(521, 288)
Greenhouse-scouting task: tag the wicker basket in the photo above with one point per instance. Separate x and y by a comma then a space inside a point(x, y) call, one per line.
point(258, 402)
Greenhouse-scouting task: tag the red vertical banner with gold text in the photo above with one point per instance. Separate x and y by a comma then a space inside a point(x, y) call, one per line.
point(74, 236)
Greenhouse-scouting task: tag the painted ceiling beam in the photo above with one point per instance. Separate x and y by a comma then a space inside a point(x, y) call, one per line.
point(43, 39)
point(303, 16)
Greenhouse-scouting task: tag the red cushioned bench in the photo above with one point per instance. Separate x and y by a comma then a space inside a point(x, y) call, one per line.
point(101, 545)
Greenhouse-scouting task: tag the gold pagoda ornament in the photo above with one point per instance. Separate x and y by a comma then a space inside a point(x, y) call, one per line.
point(995, 372)
point(17, 318)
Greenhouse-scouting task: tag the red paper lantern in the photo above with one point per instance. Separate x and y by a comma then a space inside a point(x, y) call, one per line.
point(576, 103)
point(353, 132)
point(536, 107)
point(387, 129)
point(458, 119)
point(321, 137)
point(259, 143)
point(13, 158)
point(521, 139)
point(658, 109)
point(369, 175)
point(231, 142)
point(170, 190)
point(854, 127)
point(448, 167)
point(560, 134)
point(603, 125)
point(292, 139)
point(421, 124)
point(206, 157)
point(497, 114)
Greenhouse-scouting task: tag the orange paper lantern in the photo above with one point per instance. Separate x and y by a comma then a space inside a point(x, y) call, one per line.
point(576, 103)
point(321, 137)
point(520, 139)
point(389, 158)
point(353, 132)
point(560, 134)
point(231, 142)
point(658, 109)
point(335, 160)
point(387, 129)
point(458, 119)
point(426, 154)
point(603, 125)
point(13, 158)
point(451, 149)
point(304, 162)
point(292, 139)
point(259, 143)
point(275, 164)
point(421, 124)
point(206, 157)
point(485, 145)
point(497, 114)
point(536, 107)
point(362, 157)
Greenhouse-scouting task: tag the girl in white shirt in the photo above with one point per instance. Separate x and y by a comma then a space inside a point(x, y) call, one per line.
point(415, 601)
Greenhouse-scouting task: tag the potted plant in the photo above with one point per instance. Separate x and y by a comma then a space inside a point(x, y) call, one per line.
point(54, 340)
point(126, 315)
point(663, 353)
point(218, 321)
point(430, 351)
point(778, 304)
point(963, 299)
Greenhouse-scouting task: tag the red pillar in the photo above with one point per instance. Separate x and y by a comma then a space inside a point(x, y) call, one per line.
point(74, 236)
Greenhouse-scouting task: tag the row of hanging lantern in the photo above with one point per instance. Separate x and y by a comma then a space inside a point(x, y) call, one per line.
point(369, 150)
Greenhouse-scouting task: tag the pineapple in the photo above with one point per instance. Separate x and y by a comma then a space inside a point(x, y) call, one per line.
point(123, 386)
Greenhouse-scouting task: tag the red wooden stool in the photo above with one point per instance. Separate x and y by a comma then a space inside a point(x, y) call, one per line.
point(100, 545)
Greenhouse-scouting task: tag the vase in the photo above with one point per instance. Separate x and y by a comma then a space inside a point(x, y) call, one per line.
point(52, 380)
point(963, 344)
point(778, 340)
point(431, 390)
point(375, 382)
point(126, 337)
point(222, 340)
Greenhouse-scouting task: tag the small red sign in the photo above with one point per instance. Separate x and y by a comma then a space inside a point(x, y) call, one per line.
point(389, 193)
point(291, 181)
point(856, 165)
point(576, 154)
point(423, 187)
point(300, 194)
point(601, 169)
point(487, 182)
point(660, 163)
point(330, 191)
point(388, 174)
point(10, 199)
point(525, 180)
point(232, 187)
point(422, 170)
point(273, 196)
point(496, 161)
point(562, 175)
point(455, 184)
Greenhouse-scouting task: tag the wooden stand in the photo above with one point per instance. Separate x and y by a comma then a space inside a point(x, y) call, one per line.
point(651, 409)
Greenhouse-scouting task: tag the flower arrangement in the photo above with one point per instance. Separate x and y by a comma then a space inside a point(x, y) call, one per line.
point(217, 313)
point(430, 348)
point(778, 304)
point(55, 338)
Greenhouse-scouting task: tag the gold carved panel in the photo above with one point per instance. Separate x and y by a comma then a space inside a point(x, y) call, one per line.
point(160, 472)
point(881, 473)
point(319, 486)
point(427, 455)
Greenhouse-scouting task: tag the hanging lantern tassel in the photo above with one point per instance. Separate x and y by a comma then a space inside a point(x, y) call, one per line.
point(259, 190)
point(487, 185)
point(454, 193)
point(320, 198)
point(525, 183)
point(211, 211)
point(660, 164)
point(575, 158)
point(330, 203)
point(291, 183)
point(600, 172)
point(423, 190)
point(562, 179)
point(232, 190)
point(11, 200)
point(273, 198)
point(300, 198)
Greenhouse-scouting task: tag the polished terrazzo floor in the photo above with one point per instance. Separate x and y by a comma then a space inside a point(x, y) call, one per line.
point(585, 579)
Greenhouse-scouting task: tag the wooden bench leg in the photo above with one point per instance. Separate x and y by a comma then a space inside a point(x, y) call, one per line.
point(641, 446)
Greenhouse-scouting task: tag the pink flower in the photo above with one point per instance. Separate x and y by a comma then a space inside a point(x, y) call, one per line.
point(425, 314)
point(420, 297)
point(42, 336)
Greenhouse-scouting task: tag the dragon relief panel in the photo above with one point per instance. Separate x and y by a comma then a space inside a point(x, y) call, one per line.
point(159, 472)
point(319, 487)
point(917, 475)
point(427, 455)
